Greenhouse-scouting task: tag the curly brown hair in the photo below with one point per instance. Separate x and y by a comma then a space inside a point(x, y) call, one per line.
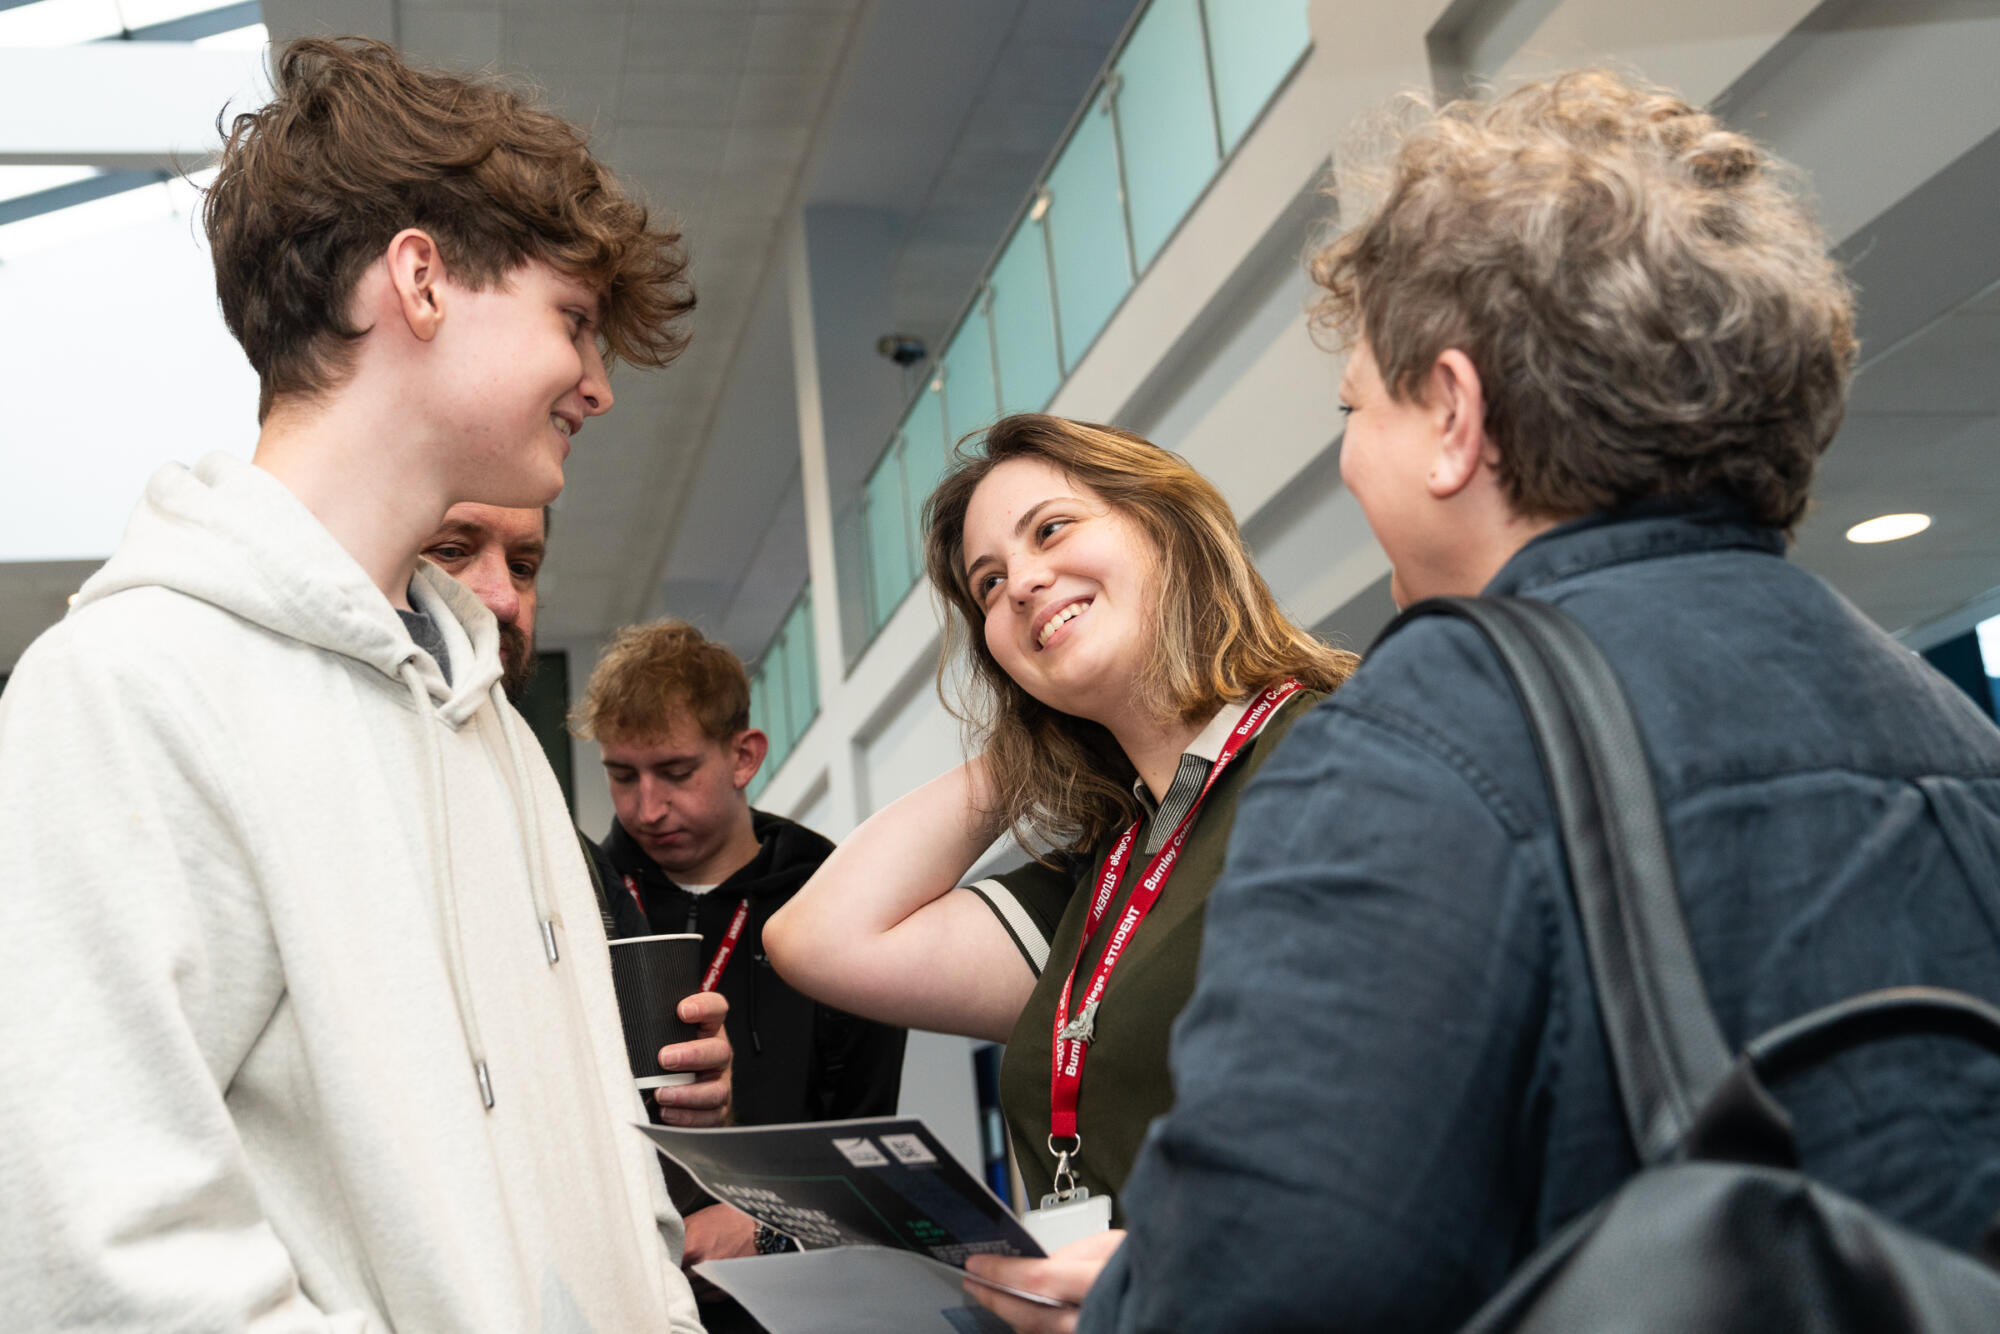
point(358, 145)
point(650, 674)
point(1063, 781)
point(1645, 294)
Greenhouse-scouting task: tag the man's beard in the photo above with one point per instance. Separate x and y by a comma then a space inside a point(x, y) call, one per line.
point(517, 662)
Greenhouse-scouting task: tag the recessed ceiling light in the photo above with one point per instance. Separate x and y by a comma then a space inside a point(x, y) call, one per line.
point(1889, 528)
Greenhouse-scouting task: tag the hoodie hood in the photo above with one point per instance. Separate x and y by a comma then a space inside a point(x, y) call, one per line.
point(231, 534)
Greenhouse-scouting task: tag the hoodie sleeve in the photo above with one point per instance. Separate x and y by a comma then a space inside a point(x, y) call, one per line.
point(136, 970)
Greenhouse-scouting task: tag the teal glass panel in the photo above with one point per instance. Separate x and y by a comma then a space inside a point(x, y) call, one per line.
point(1024, 323)
point(759, 715)
point(798, 672)
point(1252, 46)
point(1165, 122)
point(851, 598)
point(925, 454)
point(767, 712)
point(784, 725)
point(810, 637)
point(1086, 232)
point(971, 400)
point(889, 571)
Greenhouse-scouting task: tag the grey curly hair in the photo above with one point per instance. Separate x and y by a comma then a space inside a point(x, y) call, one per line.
point(1645, 293)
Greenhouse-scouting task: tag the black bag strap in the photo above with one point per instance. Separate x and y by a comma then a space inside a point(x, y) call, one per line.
point(1667, 1050)
point(1892, 1012)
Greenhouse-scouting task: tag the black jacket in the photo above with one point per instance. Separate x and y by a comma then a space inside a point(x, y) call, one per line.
point(796, 1060)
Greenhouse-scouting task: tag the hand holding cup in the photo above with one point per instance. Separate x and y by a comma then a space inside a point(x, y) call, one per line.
point(673, 1033)
point(706, 1101)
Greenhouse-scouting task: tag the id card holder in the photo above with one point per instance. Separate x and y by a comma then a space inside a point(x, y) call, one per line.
point(1056, 1225)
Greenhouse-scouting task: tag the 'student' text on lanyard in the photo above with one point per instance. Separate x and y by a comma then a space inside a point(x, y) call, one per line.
point(1073, 1038)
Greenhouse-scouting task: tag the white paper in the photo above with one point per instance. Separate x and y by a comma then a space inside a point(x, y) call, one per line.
point(852, 1290)
point(1056, 1226)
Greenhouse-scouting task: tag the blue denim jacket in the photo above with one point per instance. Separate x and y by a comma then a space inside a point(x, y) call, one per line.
point(1391, 1083)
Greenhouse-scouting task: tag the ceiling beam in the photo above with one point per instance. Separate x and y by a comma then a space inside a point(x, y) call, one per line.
point(164, 116)
point(100, 186)
point(194, 27)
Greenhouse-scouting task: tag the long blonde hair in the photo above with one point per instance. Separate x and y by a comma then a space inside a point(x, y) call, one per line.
point(1061, 781)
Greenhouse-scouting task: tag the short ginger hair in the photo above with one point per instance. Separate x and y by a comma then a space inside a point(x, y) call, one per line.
point(651, 674)
point(1645, 293)
point(357, 145)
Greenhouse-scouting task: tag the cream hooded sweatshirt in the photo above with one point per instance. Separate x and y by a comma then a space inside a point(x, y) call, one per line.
point(280, 906)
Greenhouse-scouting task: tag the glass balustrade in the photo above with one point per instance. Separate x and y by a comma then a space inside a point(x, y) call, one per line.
point(784, 688)
point(1175, 100)
point(1249, 56)
point(1166, 129)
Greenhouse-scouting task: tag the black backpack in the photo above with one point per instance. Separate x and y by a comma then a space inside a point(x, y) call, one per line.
point(1720, 1232)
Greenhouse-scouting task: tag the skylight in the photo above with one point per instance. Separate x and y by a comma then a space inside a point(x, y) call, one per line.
point(116, 358)
point(153, 200)
point(250, 38)
point(85, 200)
point(18, 181)
point(44, 23)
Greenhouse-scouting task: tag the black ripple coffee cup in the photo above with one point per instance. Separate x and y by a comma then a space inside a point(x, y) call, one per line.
point(652, 975)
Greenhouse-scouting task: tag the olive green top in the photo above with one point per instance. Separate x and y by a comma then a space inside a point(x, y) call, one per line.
point(1125, 1082)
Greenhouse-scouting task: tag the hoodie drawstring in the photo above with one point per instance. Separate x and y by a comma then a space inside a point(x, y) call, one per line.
point(438, 835)
point(531, 829)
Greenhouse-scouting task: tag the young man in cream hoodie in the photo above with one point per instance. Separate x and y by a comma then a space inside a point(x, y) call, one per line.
point(307, 1017)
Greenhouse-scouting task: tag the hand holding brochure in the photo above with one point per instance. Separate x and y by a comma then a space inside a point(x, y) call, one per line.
point(879, 1182)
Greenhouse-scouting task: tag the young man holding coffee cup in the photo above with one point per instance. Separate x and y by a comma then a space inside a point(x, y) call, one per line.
point(670, 711)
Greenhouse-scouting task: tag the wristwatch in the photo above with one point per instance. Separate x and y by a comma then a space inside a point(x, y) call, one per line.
point(770, 1241)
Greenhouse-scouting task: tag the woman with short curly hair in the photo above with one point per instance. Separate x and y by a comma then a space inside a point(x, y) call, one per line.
point(1597, 346)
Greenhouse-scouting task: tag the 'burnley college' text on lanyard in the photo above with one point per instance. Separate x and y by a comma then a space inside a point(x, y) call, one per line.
point(1066, 1074)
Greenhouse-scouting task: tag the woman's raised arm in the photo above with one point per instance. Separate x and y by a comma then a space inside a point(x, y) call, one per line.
point(884, 931)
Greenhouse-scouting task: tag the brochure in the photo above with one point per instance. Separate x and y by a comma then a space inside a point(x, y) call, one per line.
point(883, 1214)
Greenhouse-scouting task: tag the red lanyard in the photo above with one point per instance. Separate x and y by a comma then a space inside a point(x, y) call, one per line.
point(1066, 1071)
point(722, 951)
point(727, 947)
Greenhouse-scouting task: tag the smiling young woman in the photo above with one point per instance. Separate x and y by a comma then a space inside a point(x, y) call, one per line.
point(1129, 673)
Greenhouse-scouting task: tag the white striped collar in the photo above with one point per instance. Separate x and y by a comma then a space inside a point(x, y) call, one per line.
point(1196, 760)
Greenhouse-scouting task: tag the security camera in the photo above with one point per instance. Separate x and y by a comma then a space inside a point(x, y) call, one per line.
point(903, 349)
